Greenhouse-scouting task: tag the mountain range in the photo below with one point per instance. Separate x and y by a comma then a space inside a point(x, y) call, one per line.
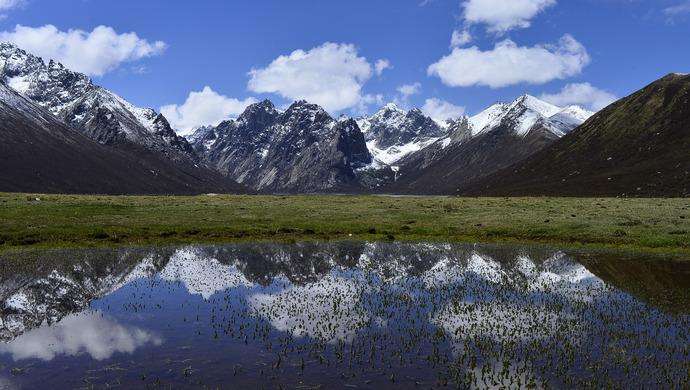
point(304, 149)
point(63, 133)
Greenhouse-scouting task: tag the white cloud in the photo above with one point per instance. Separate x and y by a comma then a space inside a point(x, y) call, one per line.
point(408, 90)
point(203, 108)
point(331, 75)
point(460, 38)
point(93, 53)
point(382, 65)
point(503, 15)
point(509, 64)
point(10, 4)
point(76, 334)
point(441, 110)
point(582, 94)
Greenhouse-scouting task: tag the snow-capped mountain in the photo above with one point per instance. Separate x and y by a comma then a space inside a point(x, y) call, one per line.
point(477, 146)
point(98, 113)
point(525, 113)
point(302, 149)
point(42, 154)
point(393, 133)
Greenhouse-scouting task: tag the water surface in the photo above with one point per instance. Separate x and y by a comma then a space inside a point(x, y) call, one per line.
point(347, 314)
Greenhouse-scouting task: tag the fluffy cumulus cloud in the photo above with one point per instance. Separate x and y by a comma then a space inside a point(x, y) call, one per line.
point(509, 64)
point(382, 65)
point(93, 53)
point(203, 108)
point(583, 94)
point(441, 110)
point(502, 15)
point(331, 75)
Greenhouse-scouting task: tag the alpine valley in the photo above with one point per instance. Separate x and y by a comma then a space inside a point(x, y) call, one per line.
point(62, 133)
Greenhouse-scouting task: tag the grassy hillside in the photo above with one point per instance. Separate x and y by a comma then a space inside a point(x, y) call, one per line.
point(63, 220)
point(638, 146)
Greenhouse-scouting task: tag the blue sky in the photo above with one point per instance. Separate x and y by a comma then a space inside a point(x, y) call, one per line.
point(575, 51)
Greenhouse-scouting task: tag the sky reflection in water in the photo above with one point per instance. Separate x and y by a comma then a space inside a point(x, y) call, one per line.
point(366, 315)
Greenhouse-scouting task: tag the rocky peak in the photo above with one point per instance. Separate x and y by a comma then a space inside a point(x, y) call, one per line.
point(389, 115)
point(306, 116)
point(421, 124)
point(302, 149)
point(392, 126)
point(353, 144)
point(258, 115)
point(459, 129)
point(96, 112)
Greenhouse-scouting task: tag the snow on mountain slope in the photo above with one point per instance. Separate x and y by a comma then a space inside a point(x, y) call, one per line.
point(95, 111)
point(393, 133)
point(393, 154)
point(11, 98)
point(489, 118)
point(526, 112)
point(571, 116)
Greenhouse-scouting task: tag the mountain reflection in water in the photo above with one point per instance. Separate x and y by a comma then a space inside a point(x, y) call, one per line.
point(345, 313)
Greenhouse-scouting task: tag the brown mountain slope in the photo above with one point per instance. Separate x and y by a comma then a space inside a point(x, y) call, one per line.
point(467, 161)
point(38, 153)
point(638, 146)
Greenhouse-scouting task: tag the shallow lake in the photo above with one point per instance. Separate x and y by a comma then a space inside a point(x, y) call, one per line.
point(342, 315)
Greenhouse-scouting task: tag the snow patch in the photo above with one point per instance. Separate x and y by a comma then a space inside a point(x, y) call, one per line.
point(20, 84)
point(393, 154)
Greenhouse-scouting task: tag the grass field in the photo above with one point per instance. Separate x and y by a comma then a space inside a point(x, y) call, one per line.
point(657, 225)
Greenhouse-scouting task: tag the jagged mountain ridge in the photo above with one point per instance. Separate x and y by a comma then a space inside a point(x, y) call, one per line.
point(525, 113)
point(264, 148)
point(98, 113)
point(485, 143)
point(39, 153)
point(302, 149)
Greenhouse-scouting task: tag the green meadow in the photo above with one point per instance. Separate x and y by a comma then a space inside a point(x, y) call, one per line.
point(656, 225)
